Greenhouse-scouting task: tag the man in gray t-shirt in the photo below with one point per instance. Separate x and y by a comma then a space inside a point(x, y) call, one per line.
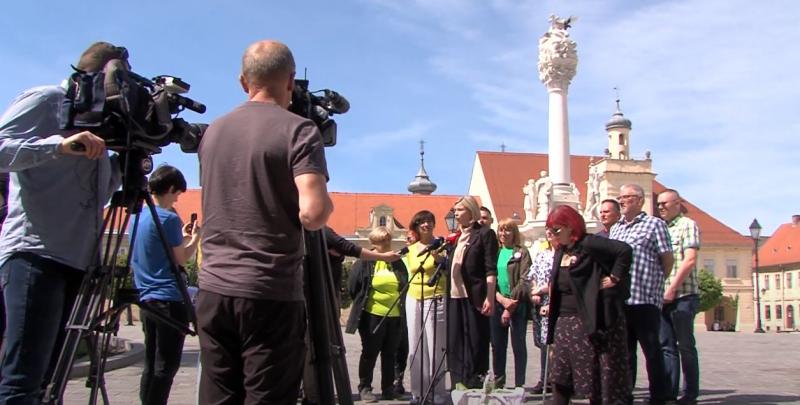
point(264, 179)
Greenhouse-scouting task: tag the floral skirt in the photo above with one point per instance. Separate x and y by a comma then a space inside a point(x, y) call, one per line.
point(596, 368)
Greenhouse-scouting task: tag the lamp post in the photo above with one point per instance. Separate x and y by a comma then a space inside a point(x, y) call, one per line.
point(755, 233)
point(450, 220)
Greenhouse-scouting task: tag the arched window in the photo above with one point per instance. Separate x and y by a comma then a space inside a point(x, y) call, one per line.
point(382, 221)
point(622, 139)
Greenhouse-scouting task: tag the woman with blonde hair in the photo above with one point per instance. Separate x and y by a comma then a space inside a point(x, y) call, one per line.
point(511, 304)
point(376, 287)
point(473, 272)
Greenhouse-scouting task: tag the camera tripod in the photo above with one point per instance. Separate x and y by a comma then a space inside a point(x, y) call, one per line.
point(327, 344)
point(102, 299)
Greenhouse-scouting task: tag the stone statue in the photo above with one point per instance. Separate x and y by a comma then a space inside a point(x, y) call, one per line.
point(577, 193)
point(529, 203)
point(544, 187)
point(592, 195)
point(558, 56)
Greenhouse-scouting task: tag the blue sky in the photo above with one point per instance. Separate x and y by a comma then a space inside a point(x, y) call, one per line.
point(711, 86)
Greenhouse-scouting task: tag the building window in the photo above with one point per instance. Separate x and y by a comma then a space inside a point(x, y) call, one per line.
point(730, 268)
point(778, 312)
point(766, 282)
point(777, 281)
point(708, 264)
point(767, 315)
point(382, 221)
point(788, 280)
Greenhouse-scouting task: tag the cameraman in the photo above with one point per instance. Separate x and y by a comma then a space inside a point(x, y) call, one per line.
point(49, 238)
point(156, 282)
point(264, 179)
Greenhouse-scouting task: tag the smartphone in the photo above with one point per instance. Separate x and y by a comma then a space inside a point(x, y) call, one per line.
point(403, 251)
point(192, 220)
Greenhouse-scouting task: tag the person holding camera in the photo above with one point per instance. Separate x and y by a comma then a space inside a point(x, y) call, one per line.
point(49, 238)
point(155, 280)
point(264, 178)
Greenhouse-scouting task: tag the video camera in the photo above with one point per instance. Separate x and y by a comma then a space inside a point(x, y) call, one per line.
point(319, 108)
point(131, 112)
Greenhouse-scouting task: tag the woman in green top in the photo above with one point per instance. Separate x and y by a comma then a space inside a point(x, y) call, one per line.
point(510, 310)
point(375, 287)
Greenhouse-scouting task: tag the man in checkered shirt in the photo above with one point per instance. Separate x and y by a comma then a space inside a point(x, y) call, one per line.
point(652, 262)
point(681, 298)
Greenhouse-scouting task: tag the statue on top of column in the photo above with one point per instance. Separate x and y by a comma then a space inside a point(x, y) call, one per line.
point(558, 55)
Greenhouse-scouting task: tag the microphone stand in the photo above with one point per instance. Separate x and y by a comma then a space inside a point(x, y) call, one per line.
point(441, 268)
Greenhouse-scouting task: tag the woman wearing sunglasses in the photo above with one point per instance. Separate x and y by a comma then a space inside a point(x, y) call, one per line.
point(586, 324)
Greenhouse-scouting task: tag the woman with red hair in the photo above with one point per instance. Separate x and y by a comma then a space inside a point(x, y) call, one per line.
point(586, 323)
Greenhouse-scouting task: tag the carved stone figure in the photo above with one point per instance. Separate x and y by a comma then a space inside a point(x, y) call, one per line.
point(592, 195)
point(544, 187)
point(529, 202)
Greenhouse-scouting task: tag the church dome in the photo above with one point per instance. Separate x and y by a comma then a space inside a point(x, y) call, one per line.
point(618, 120)
point(422, 183)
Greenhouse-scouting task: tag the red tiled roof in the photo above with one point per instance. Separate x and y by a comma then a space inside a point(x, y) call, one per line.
point(351, 210)
point(782, 248)
point(506, 173)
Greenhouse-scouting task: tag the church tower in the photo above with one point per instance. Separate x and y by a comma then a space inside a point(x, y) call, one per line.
point(619, 136)
point(422, 184)
point(619, 167)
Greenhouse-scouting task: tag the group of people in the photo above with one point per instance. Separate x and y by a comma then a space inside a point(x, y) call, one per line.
point(592, 298)
point(264, 178)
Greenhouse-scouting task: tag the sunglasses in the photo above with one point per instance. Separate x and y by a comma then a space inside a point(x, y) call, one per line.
point(556, 231)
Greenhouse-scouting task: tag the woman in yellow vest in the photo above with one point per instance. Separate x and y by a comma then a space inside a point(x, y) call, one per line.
point(425, 314)
point(376, 288)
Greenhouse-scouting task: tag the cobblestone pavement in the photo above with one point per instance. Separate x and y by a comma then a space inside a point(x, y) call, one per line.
point(736, 368)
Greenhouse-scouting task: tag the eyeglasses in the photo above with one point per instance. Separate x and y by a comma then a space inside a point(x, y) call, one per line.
point(627, 197)
point(556, 231)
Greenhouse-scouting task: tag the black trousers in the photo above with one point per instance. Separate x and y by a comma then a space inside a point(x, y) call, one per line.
point(163, 346)
point(251, 350)
point(644, 325)
point(467, 343)
point(383, 342)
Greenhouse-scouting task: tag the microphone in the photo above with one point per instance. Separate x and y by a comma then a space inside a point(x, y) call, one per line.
point(452, 239)
point(436, 244)
point(336, 103)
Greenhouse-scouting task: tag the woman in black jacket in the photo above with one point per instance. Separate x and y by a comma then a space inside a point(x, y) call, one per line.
point(471, 287)
point(376, 287)
point(586, 323)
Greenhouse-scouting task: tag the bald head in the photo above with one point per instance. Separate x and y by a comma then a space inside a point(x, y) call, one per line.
point(267, 64)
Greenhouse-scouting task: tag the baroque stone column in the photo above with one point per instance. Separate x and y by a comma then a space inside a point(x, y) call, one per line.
point(558, 60)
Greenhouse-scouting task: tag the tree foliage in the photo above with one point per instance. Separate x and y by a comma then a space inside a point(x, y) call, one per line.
point(710, 290)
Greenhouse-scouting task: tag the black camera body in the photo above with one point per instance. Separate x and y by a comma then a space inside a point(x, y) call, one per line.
point(131, 112)
point(319, 108)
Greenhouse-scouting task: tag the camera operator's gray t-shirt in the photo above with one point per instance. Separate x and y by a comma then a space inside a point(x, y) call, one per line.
point(252, 243)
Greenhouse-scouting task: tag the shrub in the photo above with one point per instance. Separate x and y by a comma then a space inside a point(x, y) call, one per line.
point(710, 290)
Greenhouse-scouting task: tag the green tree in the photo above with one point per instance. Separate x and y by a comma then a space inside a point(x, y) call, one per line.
point(710, 290)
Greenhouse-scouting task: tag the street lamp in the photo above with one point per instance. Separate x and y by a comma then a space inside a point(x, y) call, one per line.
point(450, 220)
point(755, 233)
